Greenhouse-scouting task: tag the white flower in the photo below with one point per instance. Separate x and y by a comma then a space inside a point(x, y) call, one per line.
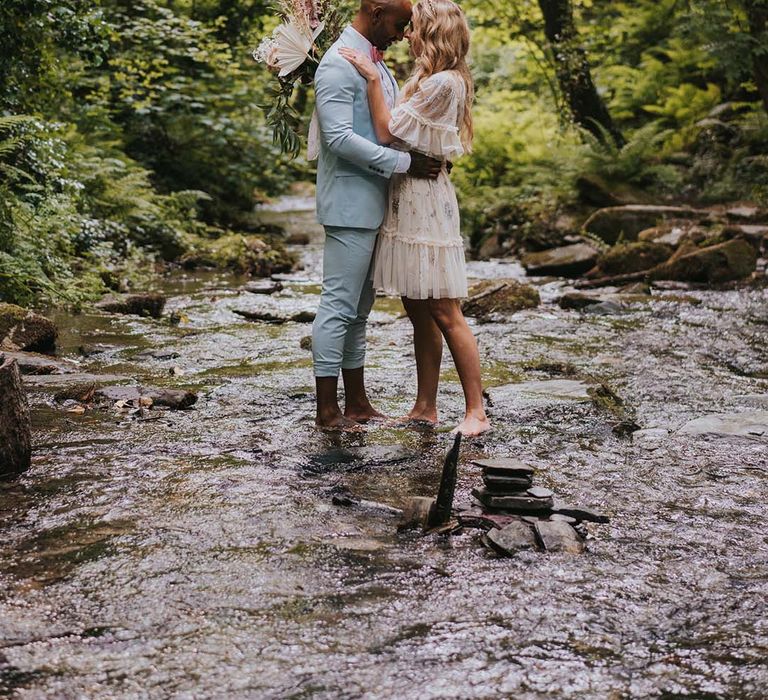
point(289, 46)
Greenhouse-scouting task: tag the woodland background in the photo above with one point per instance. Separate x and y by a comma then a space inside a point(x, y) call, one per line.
point(131, 137)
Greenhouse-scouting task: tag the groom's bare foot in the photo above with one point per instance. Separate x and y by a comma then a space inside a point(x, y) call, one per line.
point(365, 414)
point(472, 426)
point(338, 422)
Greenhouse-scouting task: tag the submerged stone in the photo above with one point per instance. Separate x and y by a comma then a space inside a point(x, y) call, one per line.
point(36, 363)
point(751, 424)
point(560, 389)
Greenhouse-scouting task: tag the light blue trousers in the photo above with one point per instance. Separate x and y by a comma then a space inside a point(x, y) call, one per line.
point(338, 333)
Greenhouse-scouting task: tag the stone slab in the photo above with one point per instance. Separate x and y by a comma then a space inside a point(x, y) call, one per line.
point(750, 424)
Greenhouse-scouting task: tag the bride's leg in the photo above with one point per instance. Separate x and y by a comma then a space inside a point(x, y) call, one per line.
point(428, 346)
point(463, 346)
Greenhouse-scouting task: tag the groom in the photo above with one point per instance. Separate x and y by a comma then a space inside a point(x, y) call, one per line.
point(353, 174)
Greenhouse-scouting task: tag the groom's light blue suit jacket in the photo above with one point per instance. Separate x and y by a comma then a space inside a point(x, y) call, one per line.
point(353, 169)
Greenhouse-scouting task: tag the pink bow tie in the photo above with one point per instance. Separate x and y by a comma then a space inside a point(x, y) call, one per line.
point(376, 55)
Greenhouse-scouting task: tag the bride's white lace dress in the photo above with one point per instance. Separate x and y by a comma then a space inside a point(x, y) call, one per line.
point(420, 251)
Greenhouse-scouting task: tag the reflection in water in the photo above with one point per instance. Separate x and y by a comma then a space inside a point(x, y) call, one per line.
point(199, 554)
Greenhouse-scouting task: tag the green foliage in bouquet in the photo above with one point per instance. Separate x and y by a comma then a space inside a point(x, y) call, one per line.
point(292, 53)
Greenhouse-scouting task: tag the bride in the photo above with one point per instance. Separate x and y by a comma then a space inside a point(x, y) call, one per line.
point(420, 251)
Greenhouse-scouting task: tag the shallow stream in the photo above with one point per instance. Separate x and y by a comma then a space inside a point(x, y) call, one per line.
point(197, 553)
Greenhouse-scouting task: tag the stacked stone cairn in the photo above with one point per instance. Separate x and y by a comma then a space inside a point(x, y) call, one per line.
point(518, 515)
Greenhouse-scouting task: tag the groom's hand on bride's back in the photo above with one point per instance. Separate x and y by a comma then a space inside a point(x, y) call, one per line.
point(424, 166)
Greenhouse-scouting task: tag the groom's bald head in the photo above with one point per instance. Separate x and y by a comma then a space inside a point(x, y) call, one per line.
point(383, 22)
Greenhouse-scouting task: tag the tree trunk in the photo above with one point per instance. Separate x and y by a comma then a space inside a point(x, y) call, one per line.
point(15, 431)
point(573, 74)
point(757, 13)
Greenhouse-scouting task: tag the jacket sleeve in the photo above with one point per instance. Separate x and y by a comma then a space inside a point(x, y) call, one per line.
point(335, 96)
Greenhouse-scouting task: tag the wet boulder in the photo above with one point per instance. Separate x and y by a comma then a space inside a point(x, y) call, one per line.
point(21, 329)
point(558, 536)
point(37, 363)
point(15, 427)
point(626, 258)
point(626, 222)
point(732, 260)
point(569, 261)
point(148, 304)
point(500, 296)
point(511, 538)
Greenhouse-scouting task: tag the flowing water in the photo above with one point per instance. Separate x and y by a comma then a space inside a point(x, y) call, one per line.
point(197, 553)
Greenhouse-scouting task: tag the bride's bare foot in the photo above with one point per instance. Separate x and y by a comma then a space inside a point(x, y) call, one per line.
point(426, 414)
point(472, 426)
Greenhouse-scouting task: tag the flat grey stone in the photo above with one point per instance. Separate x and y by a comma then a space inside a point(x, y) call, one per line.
point(504, 484)
point(750, 424)
point(559, 517)
point(580, 513)
point(557, 536)
point(521, 503)
point(504, 467)
point(512, 538)
point(540, 492)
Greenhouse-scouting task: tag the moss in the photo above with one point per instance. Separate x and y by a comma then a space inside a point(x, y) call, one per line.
point(245, 254)
point(732, 260)
point(500, 296)
point(626, 258)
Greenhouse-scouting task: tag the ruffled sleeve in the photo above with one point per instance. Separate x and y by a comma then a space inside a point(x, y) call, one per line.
point(428, 121)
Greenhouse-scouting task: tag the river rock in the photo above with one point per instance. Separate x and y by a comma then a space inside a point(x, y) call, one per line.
point(416, 512)
point(557, 536)
point(626, 258)
point(158, 354)
point(263, 287)
point(519, 503)
point(503, 296)
point(148, 304)
point(580, 513)
point(626, 222)
point(511, 538)
point(504, 484)
point(569, 260)
point(674, 233)
point(747, 212)
point(21, 329)
point(175, 399)
point(36, 363)
point(578, 300)
point(505, 467)
point(15, 427)
point(268, 317)
point(751, 424)
point(724, 262)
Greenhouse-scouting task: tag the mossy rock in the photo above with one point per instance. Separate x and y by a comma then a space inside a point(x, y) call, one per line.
point(626, 258)
point(504, 296)
point(245, 254)
point(733, 260)
point(21, 329)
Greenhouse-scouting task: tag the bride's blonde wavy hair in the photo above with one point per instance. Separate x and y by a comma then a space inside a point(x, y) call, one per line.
point(441, 29)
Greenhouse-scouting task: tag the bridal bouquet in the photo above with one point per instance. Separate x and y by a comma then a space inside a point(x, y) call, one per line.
point(291, 53)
